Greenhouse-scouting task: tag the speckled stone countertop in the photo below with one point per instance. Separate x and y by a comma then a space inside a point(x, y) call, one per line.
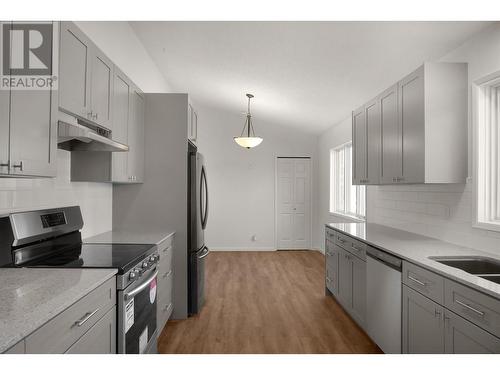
point(417, 249)
point(30, 297)
point(120, 236)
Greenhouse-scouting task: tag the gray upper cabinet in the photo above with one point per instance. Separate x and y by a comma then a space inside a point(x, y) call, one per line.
point(136, 136)
point(423, 123)
point(359, 141)
point(74, 71)
point(101, 89)
point(412, 127)
point(192, 123)
point(372, 113)
point(4, 131)
point(463, 337)
point(390, 146)
point(28, 144)
point(423, 326)
point(121, 119)
point(86, 78)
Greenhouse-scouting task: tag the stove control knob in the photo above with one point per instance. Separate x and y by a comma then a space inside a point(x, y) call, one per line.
point(133, 274)
point(152, 259)
point(145, 265)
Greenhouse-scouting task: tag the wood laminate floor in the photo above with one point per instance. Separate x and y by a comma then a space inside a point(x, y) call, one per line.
point(266, 302)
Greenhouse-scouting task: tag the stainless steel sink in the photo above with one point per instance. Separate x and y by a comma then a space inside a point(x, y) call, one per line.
point(487, 268)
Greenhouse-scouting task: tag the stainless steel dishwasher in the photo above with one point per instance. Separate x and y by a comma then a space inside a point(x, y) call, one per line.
point(384, 299)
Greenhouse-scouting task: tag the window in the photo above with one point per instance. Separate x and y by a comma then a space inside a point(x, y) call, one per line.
point(345, 199)
point(487, 152)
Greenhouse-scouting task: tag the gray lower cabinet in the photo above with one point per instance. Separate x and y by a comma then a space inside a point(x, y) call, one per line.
point(423, 326)
point(332, 268)
point(100, 339)
point(66, 329)
point(165, 283)
point(463, 337)
point(352, 284)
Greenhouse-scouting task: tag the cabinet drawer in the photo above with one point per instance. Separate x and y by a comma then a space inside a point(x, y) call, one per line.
point(476, 307)
point(100, 339)
point(352, 245)
point(165, 286)
point(330, 234)
point(166, 259)
point(66, 328)
point(331, 279)
point(423, 281)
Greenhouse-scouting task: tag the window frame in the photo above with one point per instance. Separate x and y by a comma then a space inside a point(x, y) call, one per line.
point(338, 157)
point(486, 203)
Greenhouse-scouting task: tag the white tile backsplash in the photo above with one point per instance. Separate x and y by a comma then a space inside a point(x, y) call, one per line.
point(95, 199)
point(440, 211)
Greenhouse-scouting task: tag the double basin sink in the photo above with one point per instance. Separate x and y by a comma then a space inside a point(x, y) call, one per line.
point(484, 267)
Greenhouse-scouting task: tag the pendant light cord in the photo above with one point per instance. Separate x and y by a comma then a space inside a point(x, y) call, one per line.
point(248, 122)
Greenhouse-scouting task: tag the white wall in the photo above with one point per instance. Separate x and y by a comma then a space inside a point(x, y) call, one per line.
point(333, 137)
point(119, 42)
point(440, 211)
point(241, 182)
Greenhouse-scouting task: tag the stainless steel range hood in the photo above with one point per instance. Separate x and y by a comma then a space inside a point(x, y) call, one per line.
point(74, 136)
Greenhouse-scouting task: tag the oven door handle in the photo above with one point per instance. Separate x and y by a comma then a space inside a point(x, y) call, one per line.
point(141, 287)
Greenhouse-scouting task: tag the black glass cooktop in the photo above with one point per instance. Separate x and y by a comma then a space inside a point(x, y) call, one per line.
point(120, 256)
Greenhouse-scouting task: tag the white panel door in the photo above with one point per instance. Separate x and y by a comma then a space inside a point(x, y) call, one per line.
point(293, 203)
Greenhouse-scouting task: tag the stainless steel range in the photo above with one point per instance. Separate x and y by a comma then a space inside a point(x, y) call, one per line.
point(52, 238)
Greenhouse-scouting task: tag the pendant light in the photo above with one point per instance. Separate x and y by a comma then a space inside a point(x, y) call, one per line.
point(247, 138)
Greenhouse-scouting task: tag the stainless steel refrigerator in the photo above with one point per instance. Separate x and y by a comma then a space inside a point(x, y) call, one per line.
point(197, 222)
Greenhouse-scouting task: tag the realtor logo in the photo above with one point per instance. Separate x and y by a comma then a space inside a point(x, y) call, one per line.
point(27, 60)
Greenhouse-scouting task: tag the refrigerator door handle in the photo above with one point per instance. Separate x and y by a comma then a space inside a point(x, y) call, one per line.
point(204, 253)
point(204, 212)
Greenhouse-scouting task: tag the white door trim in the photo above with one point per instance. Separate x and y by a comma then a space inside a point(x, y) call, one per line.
point(311, 178)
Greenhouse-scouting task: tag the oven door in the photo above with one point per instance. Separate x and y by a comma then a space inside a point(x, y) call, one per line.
point(137, 316)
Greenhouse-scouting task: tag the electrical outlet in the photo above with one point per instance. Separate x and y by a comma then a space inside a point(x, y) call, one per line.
point(254, 238)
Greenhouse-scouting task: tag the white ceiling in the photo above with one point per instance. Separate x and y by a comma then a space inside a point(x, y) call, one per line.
point(303, 74)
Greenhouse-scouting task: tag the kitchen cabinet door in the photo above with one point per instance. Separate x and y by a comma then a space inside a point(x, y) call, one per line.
point(463, 337)
point(100, 339)
point(74, 71)
point(373, 141)
point(136, 136)
point(359, 143)
point(412, 126)
point(121, 112)
point(332, 267)
point(391, 139)
point(423, 327)
point(33, 133)
point(358, 290)
point(101, 89)
point(345, 279)
point(4, 131)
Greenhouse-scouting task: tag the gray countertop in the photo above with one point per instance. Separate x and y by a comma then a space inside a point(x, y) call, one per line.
point(133, 237)
point(30, 297)
point(417, 249)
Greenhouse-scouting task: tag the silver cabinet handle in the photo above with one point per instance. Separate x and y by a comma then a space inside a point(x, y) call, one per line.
point(328, 279)
point(89, 115)
point(417, 281)
point(20, 166)
point(166, 249)
point(167, 274)
point(467, 306)
point(356, 248)
point(340, 240)
point(437, 313)
point(167, 307)
point(87, 316)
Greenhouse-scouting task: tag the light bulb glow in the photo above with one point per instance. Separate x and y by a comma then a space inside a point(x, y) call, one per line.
point(248, 142)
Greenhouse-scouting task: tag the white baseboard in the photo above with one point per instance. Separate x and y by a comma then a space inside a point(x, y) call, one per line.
point(243, 249)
